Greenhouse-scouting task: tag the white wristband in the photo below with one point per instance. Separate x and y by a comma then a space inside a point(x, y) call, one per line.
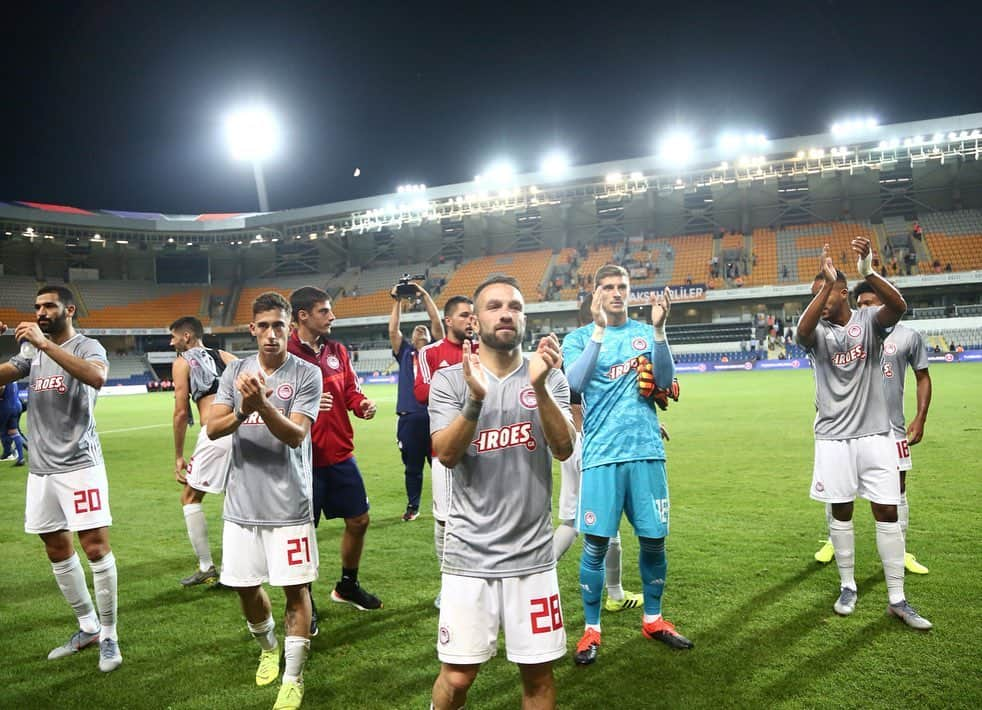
point(865, 265)
point(660, 333)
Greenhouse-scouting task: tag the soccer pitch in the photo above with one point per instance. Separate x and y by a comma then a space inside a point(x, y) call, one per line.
point(741, 584)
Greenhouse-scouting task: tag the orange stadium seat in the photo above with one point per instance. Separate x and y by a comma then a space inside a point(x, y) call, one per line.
point(765, 272)
point(153, 313)
point(693, 253)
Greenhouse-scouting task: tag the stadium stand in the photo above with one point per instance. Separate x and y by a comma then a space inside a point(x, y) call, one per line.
point(529, 268)
point(128, 370)
point(765, 271)
point(137, 304)
point(373, 287)
point(693, 253)
point(283, 285)
point(952, 238)
point(16, 296)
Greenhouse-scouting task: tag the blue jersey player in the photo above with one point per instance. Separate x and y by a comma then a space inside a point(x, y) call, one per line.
point(623, 456)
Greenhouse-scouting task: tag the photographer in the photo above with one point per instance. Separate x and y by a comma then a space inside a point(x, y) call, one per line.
point(413, 428)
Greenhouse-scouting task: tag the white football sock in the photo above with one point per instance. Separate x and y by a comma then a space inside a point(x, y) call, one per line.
point(264, 632)
point(563, 538)
point(828, 515)
point(295, 650)
point(105, 582)
point(612, 569)
point(844, 542)
point(197, 524)
point(439, 530)
point(890, 544)
point(903, 514)
point(71, 580)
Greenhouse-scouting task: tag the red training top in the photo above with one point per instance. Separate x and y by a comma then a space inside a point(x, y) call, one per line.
point(331, 434)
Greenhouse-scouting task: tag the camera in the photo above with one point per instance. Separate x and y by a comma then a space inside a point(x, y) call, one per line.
point(405, 288)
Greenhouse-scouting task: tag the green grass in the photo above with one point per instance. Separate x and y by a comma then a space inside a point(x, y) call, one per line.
point(742, 583)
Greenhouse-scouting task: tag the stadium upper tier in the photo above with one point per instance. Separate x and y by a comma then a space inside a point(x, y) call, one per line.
point(786, 169)
point(950, 241)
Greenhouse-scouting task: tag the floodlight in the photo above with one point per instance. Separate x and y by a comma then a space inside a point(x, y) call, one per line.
point(676, 148)
point(614, 178)
point(554, 165)
point(499, 172)
point(252, 133)
point(637, 176)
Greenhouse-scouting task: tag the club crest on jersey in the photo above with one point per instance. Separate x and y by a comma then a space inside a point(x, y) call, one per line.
point(194, 363)
point(889, 348)
point(854, 331)
point(333, 362)
point(639, 344)
point(856, 352)
point(285, 391)
point(508, 436)
point(527, 398)
point(50, 384)
point(589, 517)
point(444, 635)
point(622, 369)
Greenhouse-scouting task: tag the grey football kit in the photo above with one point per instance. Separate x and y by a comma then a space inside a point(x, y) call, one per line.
point(499, 523)
point(269, 482)
point(849, 398)
point(61, 415)
point(902, 347)
point(206, 366)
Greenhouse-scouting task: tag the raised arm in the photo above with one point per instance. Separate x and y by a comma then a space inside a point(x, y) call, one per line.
point(557, 424)
point(395, 334)
point(90, 372)
point(894, 305)
point(664, 364)
point(436, 322)
point(451, 442)
point(813, 311)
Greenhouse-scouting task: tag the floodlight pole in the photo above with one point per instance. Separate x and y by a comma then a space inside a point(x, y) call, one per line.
point(257, 171)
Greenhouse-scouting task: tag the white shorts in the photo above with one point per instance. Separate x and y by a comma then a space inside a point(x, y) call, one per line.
point(208, 465)
point(472, 609)
point(442, 480)
point(903, 453)
point(253, 554)
point(569, 481)
point(865, 467)
point(76, 500)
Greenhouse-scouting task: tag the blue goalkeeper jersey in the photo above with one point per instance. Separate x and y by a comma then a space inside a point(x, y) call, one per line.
point(618, 423)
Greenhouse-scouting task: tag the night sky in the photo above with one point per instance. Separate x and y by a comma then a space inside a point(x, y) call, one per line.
point(119, 106)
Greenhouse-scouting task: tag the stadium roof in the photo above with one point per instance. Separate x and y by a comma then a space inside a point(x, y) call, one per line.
point(859, 145)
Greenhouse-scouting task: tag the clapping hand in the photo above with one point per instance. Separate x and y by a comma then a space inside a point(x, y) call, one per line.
point(474, 376)
point(547, 356)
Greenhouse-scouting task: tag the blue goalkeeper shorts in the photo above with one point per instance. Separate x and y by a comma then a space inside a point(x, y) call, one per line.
point(638, 489)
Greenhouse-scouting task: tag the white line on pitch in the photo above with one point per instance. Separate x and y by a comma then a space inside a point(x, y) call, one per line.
point(132, 428)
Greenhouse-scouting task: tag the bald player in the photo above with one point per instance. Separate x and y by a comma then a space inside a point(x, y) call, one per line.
point(196, 372)
point(497, 420)
point(67, 487)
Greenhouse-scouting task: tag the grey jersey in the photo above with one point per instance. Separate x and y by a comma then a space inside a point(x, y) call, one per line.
point(901, 348)
point(848, 390)
point(203, 372)
point(500, 518)
point(269, 483)
point(61, 411)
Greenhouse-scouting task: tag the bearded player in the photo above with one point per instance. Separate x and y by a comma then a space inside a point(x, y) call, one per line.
point(497, 420)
